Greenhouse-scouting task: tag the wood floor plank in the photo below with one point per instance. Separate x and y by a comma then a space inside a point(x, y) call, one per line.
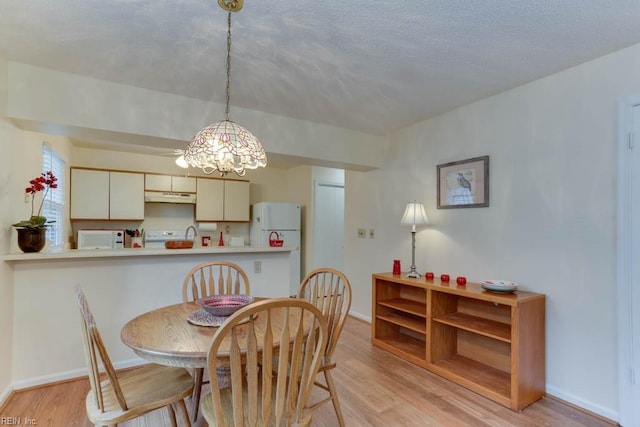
point(375, 387)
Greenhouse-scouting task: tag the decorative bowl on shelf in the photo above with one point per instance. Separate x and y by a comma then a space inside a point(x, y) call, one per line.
point(178, 244)
point(499, 286)
point(224, 304)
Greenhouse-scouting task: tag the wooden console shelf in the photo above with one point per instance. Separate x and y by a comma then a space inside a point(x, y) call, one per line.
point(493, 344)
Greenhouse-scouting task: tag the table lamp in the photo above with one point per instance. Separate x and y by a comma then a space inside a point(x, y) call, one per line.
point(414, 215)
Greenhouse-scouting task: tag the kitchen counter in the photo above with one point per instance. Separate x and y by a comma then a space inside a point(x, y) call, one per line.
point(144, 252)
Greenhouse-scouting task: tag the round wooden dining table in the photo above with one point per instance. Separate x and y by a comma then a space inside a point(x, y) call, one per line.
point(166, 337)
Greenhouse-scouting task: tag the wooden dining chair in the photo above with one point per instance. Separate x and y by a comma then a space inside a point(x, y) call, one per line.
point(121, 397)
point(289, 332)
point(330, 291)
point(215, 278)
point(206, 279)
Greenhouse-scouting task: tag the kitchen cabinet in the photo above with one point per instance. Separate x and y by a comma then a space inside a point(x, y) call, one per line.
point(209, 199)
point(169, 183)
point(106, 195)
point(222, 200)
point(89, 194)
point(493, 344)
point(236, 201)
point(126, 195)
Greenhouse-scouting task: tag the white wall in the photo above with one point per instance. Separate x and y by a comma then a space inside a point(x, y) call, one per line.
point(10, 140)
point(21, 161)
point(87, 107)
point(47, 340)
point(551, 221)
point(270, 184)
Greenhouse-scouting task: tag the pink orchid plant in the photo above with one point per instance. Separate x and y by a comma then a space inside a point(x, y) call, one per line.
point(44, 182)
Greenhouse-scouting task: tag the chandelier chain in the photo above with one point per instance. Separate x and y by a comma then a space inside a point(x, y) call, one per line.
point(226, 111)
point(225, 146)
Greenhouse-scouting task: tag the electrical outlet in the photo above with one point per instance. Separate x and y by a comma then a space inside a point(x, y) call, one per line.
point(257, 266)
point(371, 233)
point(362, 233)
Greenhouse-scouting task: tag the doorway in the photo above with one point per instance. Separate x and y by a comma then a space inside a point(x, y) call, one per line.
point(328, 246)
point(628, 263)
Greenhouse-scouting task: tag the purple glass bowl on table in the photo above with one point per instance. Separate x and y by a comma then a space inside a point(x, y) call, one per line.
point(224, 304)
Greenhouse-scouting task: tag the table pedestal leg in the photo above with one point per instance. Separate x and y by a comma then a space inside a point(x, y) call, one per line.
point(195, 397)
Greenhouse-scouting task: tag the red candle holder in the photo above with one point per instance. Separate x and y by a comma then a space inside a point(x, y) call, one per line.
point(396, 267)
point(428, 275)
point(461, 280)
point(444, 278)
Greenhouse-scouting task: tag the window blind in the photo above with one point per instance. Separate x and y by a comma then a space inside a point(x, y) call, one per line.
point(53, 206)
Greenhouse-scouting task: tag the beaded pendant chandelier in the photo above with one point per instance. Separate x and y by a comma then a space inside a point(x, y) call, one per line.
point(225, 146)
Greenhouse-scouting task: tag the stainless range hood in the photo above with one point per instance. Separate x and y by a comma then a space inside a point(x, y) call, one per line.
point(159, 197)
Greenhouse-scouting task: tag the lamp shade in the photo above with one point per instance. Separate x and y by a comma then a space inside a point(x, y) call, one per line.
point(415, 214)
point(225, 147)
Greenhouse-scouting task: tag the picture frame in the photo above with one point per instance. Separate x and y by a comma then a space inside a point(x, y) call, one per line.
point(464, 184)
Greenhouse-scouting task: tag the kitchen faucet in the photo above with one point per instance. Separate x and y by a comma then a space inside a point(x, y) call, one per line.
point(186, 233)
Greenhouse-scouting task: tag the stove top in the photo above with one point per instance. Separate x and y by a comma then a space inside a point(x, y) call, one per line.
point(156, 238)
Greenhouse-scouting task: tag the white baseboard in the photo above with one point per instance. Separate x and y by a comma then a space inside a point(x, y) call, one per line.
point(75, 373)
point(5, 393)
point(360, 316)
point(608, 413)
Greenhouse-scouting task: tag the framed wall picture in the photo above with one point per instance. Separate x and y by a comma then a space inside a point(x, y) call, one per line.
point(464, 184)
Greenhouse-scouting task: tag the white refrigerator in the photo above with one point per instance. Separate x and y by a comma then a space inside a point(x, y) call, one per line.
point(269, 219)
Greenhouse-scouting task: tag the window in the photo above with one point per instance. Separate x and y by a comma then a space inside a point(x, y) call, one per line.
point(53, 206)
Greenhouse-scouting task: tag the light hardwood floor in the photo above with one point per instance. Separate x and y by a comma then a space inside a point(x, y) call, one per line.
point(375, 388)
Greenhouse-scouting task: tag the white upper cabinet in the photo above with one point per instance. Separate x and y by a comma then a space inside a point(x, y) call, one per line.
point(153, 182)
point(126, 195)
point(210, 200)
point(236, 201)
point(174, 184)
point(105, 195)
point(89, 194)
point(117, 195)
point(222, 200)
point(183, 184)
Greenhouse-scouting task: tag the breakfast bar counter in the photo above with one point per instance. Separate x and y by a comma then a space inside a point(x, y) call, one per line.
point(144, 252)
point(120, 284)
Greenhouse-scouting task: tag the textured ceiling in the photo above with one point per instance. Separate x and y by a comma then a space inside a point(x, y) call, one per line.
point(373, 66)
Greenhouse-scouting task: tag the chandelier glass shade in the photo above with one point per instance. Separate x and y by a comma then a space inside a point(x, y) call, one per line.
point(225, 146)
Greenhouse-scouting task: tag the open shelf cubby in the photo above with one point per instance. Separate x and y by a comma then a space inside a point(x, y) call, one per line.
point(465, 334)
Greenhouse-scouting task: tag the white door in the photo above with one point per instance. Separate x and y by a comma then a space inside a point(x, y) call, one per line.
point(628, 258)
point(328, 216)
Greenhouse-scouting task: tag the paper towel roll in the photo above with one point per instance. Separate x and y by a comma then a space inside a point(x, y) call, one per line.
point(207, 226)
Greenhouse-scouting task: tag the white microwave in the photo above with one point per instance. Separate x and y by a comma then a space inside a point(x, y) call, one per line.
point(100, 239)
